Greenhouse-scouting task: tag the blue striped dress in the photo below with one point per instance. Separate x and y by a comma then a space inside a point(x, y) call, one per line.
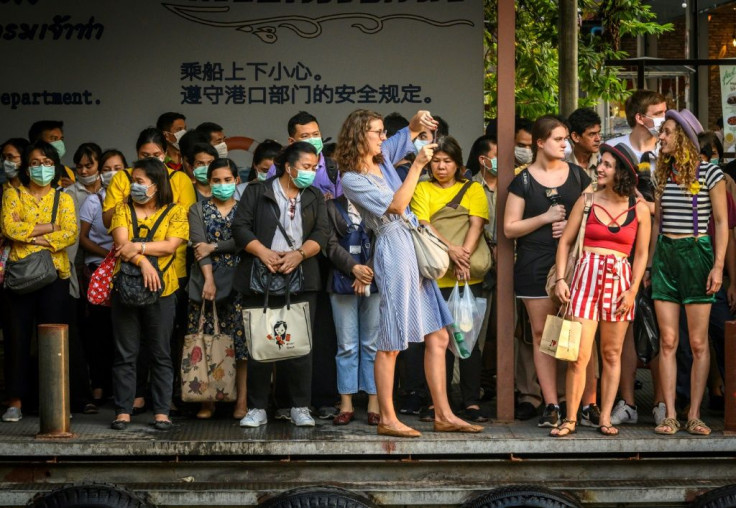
point(411, 306)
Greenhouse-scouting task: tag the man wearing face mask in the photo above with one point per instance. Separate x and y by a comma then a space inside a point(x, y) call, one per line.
point(522, 142)
point(174, 126)
point(199, 157)
point(215, 135)
point(52, 132)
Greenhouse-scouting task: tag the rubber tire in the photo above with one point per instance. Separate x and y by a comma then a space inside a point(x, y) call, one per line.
point(518, 496)
point(723, 497)
point(89, 496)
point(318, 497)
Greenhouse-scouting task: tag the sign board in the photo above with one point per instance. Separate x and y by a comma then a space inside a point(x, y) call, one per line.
point(728, 101)
point(109, 68)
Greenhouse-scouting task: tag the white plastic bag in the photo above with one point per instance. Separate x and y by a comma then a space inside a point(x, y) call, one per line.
point(467, 321)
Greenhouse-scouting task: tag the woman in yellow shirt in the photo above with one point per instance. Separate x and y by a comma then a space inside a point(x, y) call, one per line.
point(447, 181)
point(27, 222)
point(151, 198)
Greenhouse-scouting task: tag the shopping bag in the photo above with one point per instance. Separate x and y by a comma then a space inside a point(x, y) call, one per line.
point(208, 364)
point(278, 334)
point(467, 321)
point(646, 330)
point(100, 282)
point(561, 337)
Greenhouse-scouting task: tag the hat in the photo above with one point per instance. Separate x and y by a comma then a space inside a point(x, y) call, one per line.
point(625, 156)
point(688, 122)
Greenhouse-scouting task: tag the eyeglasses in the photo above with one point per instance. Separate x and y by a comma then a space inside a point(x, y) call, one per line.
point(380, 133)
point(44, 162)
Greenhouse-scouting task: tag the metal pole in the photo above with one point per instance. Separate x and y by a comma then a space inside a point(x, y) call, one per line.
point(729, 390)
point(568, 61)
point(53, 381)
point(505, 248)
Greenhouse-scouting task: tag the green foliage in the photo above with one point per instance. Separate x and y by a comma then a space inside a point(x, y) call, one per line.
point(537, 45)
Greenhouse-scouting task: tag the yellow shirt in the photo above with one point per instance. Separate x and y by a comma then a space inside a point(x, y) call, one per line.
point(31, 212)
point(174, 225)
point(182, 189)
point(429, 198)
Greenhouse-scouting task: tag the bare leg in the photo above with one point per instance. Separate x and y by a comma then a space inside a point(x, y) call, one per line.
point(384, 368)
point(697, 320)
point(546, 366)
point(435, 348)
point(346, 403)
point(612, 341)
point(628, 368)
point(241, 387)
point(590, 393)
point(668, 317)
point(373, 404)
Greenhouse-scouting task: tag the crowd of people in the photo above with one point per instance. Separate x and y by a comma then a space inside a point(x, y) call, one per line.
point(332, 224)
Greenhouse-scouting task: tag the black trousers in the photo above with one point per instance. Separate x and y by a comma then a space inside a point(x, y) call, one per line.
point(97, 338)
point(295, 374)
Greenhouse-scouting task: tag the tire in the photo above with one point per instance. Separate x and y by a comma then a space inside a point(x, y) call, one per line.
point(518, 496)
point(89, 496)
point(723, 497)
point(318, 497)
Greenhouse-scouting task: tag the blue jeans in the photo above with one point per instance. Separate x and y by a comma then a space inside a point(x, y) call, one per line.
point(356, 323)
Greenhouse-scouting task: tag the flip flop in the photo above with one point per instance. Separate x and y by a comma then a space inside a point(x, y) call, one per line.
point(566, 428)
point(608, 430)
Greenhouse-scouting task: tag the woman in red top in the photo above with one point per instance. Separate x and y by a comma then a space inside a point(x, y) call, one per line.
point(603, 286)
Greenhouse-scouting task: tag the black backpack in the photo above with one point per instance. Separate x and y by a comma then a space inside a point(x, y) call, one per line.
point(129, 279)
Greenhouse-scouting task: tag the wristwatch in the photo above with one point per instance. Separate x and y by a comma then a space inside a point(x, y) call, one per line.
point(33, 240)
point(301, 251)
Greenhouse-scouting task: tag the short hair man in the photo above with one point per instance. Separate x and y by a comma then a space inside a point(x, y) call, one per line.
point(174, 126)
point(216, 135)
point(645, 111)
point(522, 142)
point(585, 134)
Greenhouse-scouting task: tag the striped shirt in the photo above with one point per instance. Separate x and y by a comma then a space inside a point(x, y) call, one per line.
point(677, 203)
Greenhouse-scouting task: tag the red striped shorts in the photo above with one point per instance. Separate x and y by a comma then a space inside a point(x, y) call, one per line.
point(597, 283)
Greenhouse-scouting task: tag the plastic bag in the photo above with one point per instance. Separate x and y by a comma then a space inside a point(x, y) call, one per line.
point(467, 321)
point(646, 331)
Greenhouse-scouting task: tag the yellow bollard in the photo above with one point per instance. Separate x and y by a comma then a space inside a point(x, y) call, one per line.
point(53, 381)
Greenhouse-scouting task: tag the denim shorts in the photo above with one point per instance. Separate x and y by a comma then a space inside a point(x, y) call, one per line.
point(680, 269)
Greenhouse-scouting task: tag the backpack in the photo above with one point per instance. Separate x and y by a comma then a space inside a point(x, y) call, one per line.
point(129, 279)
point(358, 244)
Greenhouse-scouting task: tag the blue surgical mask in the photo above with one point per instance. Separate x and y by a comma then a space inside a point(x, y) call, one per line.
point(261, 176)
point(200, 173)
point(42, 175)
point(494, 166)
point(11, 169)
point(139, 193)
point(304, 178)
point(317, 143)
point(60, 147)
point(420, 143)
point(223, 191)
point(715, 161)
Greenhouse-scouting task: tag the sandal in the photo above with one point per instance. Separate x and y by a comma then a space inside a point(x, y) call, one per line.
point(566, 428)
point(668, 427)
point(608, 430)
point(694, 424)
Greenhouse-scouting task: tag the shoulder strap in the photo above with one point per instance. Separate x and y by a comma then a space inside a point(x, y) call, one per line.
point(281, 228)
point(152, 231)
point(331, 168)
point(134, 220)
point(459, 196)
point(341, 209)
point(55, 208)
point(588, 200)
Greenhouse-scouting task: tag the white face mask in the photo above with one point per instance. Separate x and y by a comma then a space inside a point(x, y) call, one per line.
point(107, 177)
point(523, 155)
point(87, 180)
point(420, 143)
point(178, 135)
point(654, 131)
point(221, 149)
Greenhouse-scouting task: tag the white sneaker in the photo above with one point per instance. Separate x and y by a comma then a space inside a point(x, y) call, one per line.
point(12, 414)
point(300, 417)
point(254, 418)
point(659, 412)
point(623, 413)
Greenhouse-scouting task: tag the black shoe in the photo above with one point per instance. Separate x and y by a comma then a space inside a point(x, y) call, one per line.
point(591, 416)
point(475, 415)
point(90, 409)
point(119, 425)
point(525, 411)
point(162, 424)
point(426, 414)
point(550, 417)
point(412, 404)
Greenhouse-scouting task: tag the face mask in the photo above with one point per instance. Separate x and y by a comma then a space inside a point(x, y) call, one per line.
point(87, 180)
point(162, 158)
point(523, 155)
point(316, 143)
point(420, 143)
point(139, 193)
point(261, 176)
point(200, 173)
point(59, 145)
point(221, 149)
point(107, 177)
point(303, 178)
point(223, 191)
point(715, 161)
point(494, 166)
point(177, 137)
point(11, 169)
point(42, 175)
point(654, 131)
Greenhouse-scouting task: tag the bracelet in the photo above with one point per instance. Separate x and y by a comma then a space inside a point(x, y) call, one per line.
point(138, 260)
point(558, 280)
point(301, 251)
point(143, 248)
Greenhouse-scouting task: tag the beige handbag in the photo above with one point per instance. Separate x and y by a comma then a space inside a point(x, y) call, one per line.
point(278, 334)
point(561, 336)
point(432, 257)
point(208, 364)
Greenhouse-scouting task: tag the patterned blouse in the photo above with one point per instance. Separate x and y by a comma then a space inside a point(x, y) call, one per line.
point(218, 229)
point(22, 212)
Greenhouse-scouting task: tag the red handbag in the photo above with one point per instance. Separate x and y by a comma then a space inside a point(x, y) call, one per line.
point(100, 284)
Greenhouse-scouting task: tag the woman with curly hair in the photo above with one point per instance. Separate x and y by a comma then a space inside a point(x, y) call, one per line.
point(686, 268)
point(604, 284)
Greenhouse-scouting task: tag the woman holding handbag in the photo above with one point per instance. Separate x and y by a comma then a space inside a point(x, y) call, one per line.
point(41, 223)
point(412, 308)
point(451, 205)
point(604, 285)
point(211, 276)
point(147, 231)
point(281, 223)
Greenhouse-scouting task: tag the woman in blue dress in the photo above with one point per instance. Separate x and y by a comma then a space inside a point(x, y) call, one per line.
point(411, 307)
